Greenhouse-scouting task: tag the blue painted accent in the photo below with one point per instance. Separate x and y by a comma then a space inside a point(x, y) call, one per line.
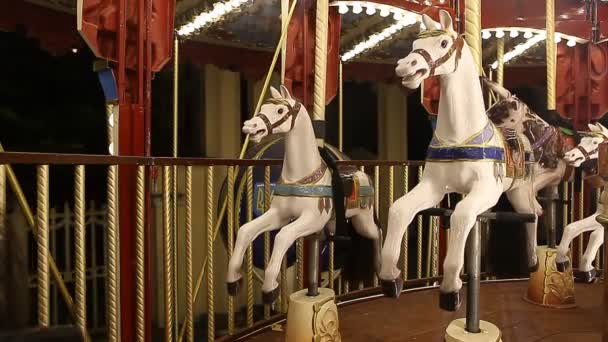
point(314, 190)
point(484, 136)
point(108, 85)
point(470, 153)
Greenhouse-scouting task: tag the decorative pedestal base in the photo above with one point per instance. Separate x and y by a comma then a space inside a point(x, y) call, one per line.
point(312, 318)
point(456, 332)
point(547, 286)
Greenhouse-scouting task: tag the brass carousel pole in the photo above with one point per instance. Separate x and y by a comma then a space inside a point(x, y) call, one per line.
point(474, 327)
point(544, 288)
point(302, 325)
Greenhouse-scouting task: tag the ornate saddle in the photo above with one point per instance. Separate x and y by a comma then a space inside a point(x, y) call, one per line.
point(515, 154)
point(354, 195)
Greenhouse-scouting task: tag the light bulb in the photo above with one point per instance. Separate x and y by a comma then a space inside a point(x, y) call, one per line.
point(486, 34)
point(558, 37)
point(571, 43)
point(371, 10)
point(397, 15)
point(357, 8)
point(514, 34)
point(528, 34)
point(500, 33)
point(384, 12)
point(342, 9)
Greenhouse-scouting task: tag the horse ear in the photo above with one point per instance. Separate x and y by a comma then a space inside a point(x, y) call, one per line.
point(499, 90)
point(446, 20)
point(275, 93)
point(592, 127)
point(603, 129)
point(285, 92)
point(429, 23)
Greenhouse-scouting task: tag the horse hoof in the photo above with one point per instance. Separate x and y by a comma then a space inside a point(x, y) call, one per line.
point(533, 268)
point(562, 266)
point(234, 287)
point(270, 297)
point(392, 288)
point(449, 301)
point(585, 277)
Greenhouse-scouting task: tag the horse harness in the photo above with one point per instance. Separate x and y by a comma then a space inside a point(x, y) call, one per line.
point(457, 44)
point(292, 112)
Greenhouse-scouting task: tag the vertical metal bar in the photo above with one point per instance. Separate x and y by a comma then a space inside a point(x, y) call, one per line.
point(429, 246)
point(80, 281)
point(249, 254)
point(551, 216)
point(565, 204)
point(113, 290)
point(435, 256)
point(210, 238)
point(42, 211)
point(230, 218)
point(188, 232)
point(174, 173)
point(340, 108)
point(167, 255)
point(313, 265)
point(283, 285)
point(300, 262)
point(4, 257)
point(140, 266)
point(266, 234)
point(581, 215)
point(406, 189)
point(419, 232)
point(500, 53)
point(598, 193)
point(474, 270)
point(376, 207)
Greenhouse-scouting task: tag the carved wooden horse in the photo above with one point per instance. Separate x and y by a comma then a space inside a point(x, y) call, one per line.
point(467, 155)
point(586, 150)
point(549, 143)
point(302, 200)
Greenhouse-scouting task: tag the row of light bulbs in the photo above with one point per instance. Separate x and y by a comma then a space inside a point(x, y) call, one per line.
point(521, 48)
point(373, 8)
point(219, 10)
point(527, 33)
point(406, 20)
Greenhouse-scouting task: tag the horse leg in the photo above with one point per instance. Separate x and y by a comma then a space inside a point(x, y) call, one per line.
point(586, 272)
point(365, 226)
point(270, 220)
point(305, 225)
point(401, 213)
point(571, 231)
point(524, 202)
point(482, 197)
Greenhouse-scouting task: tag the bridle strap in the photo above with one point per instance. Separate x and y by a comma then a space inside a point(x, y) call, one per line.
point(456, 47)
point(292, 113)
point(586, 154)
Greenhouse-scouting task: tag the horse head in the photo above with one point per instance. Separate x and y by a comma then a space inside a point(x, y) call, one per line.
point(436, 52)
point(277, 115)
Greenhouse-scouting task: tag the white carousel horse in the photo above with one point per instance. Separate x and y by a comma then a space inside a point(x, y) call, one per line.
point(586, 150)
point(301, 204)
point(467, 155)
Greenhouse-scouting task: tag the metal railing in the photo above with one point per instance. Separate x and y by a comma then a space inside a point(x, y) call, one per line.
point(205, 259)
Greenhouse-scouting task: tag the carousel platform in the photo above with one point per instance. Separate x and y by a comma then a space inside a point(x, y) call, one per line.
point(415, 316)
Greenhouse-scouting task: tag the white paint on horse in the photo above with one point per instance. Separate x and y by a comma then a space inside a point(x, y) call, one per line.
point(575, 157)
point(296, 216)
point(461, 115)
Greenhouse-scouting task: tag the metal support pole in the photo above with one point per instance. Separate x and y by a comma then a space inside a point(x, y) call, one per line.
point(551, 216)
point(474, 270)
point(313, 265)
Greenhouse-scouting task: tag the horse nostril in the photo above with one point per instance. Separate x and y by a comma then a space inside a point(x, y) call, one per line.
point(414, 62)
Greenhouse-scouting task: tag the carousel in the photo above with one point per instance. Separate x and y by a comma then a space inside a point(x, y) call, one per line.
point(260, 182)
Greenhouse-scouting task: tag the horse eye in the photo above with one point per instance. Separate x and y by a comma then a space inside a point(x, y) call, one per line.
point(444, 43)
point(280, 111)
